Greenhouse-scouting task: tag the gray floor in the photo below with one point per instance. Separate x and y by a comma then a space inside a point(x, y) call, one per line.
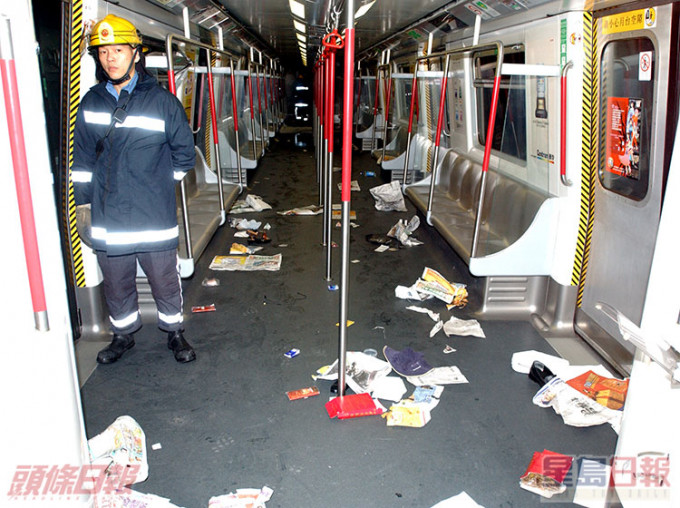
point(224, 421)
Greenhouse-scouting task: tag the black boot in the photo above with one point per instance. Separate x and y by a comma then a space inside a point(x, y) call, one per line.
point(540, 373)
point(115, 350)
point(180, 347)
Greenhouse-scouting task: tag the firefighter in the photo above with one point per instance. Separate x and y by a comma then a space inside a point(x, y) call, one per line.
point(132, 142)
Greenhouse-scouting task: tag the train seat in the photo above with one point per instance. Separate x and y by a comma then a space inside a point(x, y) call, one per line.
point(509, 206)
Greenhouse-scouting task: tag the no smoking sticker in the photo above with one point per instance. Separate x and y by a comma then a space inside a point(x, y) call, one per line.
point(645, 66)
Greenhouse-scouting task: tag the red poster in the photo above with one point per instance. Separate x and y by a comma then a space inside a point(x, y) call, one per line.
point(623, 136)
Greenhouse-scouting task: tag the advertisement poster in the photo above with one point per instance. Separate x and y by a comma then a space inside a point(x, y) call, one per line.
point(623, 136)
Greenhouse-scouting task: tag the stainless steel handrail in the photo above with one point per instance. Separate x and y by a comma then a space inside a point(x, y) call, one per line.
point(170, 38)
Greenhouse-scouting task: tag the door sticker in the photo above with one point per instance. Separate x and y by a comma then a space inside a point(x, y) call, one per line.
point(624, 115)
point(631, 20)
point(645, 66)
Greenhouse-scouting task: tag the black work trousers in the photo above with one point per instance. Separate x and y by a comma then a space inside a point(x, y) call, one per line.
point(120, 289)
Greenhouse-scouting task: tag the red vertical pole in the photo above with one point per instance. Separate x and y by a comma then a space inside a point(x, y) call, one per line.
point(347, 115)
point(23, 185)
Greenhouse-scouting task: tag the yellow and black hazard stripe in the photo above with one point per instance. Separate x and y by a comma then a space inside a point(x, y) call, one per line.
point(76, 39)
point(588, 155)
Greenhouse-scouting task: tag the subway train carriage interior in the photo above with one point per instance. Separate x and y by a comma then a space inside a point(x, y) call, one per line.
point(340, 253)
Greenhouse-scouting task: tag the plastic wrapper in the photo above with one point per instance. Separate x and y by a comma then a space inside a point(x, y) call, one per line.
point(403, 230)
point(575, 408)
point(388, 197)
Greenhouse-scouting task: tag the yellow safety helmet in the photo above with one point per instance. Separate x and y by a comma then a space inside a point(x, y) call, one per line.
point(114, 30)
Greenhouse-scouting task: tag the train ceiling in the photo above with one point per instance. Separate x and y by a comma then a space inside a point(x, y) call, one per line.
point(292, 30)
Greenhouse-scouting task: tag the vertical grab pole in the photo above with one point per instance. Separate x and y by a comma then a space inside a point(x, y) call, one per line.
point(346, 188)
point(563, 124)
point(414, 92)
point(235, 107)
point(259, 107)
point(213, 118)
point(487, 147)
point(358, 99)
point(322, 136)
point(331, 42)
point(388, 100)
point(172, 86)
point(326, 171)
point(440, 119)
point(375, 107)
point(21, 178)
point(252, 113)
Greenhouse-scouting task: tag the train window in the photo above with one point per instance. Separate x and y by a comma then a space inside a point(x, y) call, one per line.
point(510, 132)
point(626, 106)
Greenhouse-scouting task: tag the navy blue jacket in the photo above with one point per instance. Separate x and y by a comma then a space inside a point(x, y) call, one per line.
point(131, 185)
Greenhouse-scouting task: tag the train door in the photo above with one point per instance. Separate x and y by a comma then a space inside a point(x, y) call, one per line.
point(630, 76)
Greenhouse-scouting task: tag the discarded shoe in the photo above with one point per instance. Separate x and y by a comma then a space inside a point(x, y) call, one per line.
point(115, 350)
point(540, 373)
point(182, 350)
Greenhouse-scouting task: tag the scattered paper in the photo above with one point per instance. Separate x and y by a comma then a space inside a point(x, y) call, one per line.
point(122, 444)
point(462, 500)
point(302, 393)
point(239, 248)
point(382, 248)
point(242, 498)
point(589, 493)
point(455, 326)
point(388, 197)
point(305, 210)
point(575, 408)
point(436, 328)
point(361, 371)
point(246, 263)
point(523, 360)
point(432, 284)
point(433, 315)
point(354, 188)
point(388, 388)
point(251, 203)
point(132, 499)
point(244, 224)
point(545, 473)
point(156, 446)
point(439, 376)
point(403, 230)
point(416, 411)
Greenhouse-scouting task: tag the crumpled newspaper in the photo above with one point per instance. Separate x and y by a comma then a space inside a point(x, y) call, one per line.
point(242, 498)
point(455, 326)
point(388, 197)
point(251, 203)
point(122, 444)
point(576, 409)
point(403, 230)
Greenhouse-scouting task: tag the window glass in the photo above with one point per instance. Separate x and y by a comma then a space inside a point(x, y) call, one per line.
point(510, 130)
point(626, 100)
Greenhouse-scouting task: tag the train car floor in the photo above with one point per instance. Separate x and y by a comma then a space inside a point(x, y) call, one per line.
point(224, 421)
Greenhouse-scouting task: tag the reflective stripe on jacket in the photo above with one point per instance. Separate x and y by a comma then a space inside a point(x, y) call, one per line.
point(131, 185)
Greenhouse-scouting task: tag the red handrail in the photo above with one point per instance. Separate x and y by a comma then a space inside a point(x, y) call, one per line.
point(492, 122)
point(347, 117)
point(442, 104)
point(23, 185)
